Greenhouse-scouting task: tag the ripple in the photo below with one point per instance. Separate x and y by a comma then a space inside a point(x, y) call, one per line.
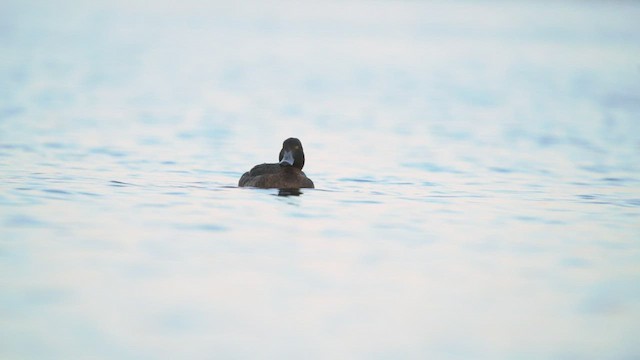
point(202, 227)
point(175, 193)
point(11, 111)
point(55, 145)
point(117, 183)
point(576, 262)
point(619, 100)
point(633, 202)
point(24, 221)
point(107, 151)
point(610, 179)
point(23, 147)
point(360, 202)
point(358, 180)
point(432, 167)
point(501, 170)
point(56, 191)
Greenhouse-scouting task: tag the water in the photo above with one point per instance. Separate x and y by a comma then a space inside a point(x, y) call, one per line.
point(477, 169)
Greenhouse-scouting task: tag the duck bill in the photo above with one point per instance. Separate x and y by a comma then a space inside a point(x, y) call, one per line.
point(287, 159)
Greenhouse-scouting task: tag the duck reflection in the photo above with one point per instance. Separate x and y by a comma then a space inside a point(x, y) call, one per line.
point(289, 192)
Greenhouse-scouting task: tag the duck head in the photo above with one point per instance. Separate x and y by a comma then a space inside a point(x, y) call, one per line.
point(292, 153)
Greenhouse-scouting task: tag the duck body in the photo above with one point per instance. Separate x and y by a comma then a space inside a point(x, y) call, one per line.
point(269, 176)
point(287, 174)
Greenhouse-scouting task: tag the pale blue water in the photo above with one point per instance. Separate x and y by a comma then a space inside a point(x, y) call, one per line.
point(477, 169)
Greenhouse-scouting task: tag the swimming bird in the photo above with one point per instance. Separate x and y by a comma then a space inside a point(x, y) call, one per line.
point(287, 174)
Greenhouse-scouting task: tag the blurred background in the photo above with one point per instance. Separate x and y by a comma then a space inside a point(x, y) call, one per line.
point(477, 172)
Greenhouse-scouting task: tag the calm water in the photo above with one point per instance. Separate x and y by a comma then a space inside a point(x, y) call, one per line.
point(477, 169)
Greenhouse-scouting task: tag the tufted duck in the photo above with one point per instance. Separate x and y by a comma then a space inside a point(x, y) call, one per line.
point(287, 174)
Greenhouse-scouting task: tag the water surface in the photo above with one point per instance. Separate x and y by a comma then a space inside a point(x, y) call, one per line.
point(477, 169)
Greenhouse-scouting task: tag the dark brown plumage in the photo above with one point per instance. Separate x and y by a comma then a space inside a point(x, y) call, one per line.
point(287, 174)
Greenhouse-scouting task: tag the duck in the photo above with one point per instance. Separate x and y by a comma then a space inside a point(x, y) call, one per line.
point(286, 174)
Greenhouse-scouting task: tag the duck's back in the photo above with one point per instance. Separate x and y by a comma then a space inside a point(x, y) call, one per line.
point(256, 172)
point(275, 176)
